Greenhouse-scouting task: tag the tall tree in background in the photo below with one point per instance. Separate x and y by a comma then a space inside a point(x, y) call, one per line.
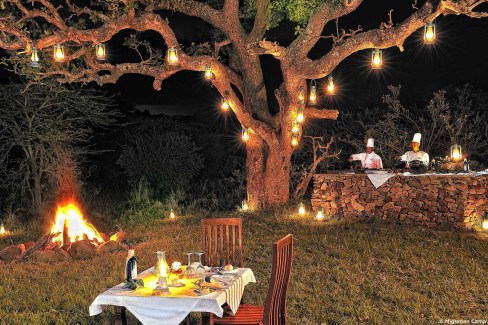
point(233, 58)
point(44, 133)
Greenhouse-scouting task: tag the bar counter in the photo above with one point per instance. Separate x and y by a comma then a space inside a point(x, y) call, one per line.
point(453, 200)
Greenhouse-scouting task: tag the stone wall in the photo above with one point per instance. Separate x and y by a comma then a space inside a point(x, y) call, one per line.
point(453, 200)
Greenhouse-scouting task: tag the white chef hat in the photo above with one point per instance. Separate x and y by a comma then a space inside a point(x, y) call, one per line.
point(416, 137)
point(370, 143)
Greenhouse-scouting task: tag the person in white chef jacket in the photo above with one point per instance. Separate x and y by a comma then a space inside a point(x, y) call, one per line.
point(369, 159)
point(415, 153)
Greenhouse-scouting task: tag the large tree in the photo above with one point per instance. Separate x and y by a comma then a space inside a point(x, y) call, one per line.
point(234, 57)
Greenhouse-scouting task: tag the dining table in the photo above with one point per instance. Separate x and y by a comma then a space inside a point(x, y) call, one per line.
point(151, 306)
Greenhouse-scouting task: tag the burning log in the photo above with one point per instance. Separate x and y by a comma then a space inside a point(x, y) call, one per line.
point(40, 244)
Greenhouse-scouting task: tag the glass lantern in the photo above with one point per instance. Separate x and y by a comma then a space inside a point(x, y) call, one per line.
point(300, 116)
point(208, 72)
point(429, 33)
point(244, 205)
point(100, 51)
point(376, 59)
point(58, 53)
point(34, 58)
point(172, 55)
point(485, 221)
point(225, 104)
point(312, 98)
point(295, 127)
point(301, 95)
point(301, 209)
point(320, 213)
point(330, 86)
point(294, 140)
point(456, 152)
point(245, 134)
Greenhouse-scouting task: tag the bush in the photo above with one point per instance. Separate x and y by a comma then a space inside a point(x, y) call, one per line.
point(169, 160)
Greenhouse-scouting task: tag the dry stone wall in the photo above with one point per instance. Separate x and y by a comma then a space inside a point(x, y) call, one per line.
point(452, 200)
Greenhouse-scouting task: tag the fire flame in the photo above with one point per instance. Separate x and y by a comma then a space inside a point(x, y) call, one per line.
point(70, 217)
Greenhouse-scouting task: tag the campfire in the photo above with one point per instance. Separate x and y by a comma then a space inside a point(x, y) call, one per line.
point(70, 236)
point(70, 226)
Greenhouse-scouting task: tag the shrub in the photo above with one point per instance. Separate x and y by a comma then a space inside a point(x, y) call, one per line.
point(169, 160)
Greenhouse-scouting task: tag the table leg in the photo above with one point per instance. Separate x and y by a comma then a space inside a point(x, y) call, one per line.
point(205, 318)
point(120, 315)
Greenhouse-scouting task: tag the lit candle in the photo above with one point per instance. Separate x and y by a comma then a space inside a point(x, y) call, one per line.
point(301, 209)
point(2, 230)
point(320, 213)
point(172, 215)
point(330, 86)
point(245, 205)
point(429, 33)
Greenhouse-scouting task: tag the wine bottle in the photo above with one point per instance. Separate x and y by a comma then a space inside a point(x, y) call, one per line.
point(466, 165)
point(131, 265)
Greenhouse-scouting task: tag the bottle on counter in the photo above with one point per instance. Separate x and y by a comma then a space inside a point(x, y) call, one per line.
point(466, 165)
point(130, 265)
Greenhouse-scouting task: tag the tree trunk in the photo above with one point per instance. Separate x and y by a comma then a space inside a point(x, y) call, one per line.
point(268, 175)
point(37, 204)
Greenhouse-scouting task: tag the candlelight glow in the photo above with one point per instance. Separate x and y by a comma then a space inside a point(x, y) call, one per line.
point(312, 98)
point(172, 55)
point(300, 116)
point(320, 213)
point(377, 59)
point(429, 33)
point(295, 128)
point(244, 205)
point(58, 52)
point(294, 140)
point(301, 95)
point(301, 209)
point(100, 51)
point(225, 104)
point(172, 215)
point(245, 134)
point(208, 72)
point(456, 152)
point(330, 86)
point(2, 230)
point(34, 58)
point(69, 218)
point(485, 224)
point(176, 266)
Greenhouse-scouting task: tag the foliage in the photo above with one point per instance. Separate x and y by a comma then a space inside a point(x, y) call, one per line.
point(445, 120)
point(346, 273)
point(45, 132)
point(168, 159)
point(133, 284)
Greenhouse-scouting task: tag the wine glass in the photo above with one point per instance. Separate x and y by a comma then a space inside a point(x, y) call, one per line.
point(189, 257)
point(200, 257)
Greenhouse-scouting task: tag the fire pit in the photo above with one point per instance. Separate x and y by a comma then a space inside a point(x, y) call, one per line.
point(70, 236)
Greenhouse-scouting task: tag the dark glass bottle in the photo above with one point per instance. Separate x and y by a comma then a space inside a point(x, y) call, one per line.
point(466, 165)
point(131, 265)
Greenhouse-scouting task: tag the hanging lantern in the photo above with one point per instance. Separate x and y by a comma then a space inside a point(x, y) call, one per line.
point(312, 98)
point(208, 72)
point(301, 209)
point(245, 134)
point(172, 215)
point(485, 221)
point(34, 58)
point(294, 140)
point(320, 213)
point(295, 128)
point(429, 33)
point(58, 52)
point(100, 51)
point(2, 230)
point(244, 206)
point(225, 104)
point(172, 55)
point(456, 152)
point(377, 59)
point(300, 116)
point(330, 86)
point(301, 95)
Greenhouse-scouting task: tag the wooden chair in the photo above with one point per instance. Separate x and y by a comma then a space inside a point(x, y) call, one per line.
point(274, 310)
point(222, 241)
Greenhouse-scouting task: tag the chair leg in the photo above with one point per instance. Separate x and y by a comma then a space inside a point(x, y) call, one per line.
point(187, 320)
point(207, 319)
point(120, 315)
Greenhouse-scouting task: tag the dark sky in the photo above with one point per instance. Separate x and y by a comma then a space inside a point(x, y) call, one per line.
point(458, 57)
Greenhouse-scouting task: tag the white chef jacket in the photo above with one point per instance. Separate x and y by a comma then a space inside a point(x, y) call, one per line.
point(419, 155)
point(368, 160)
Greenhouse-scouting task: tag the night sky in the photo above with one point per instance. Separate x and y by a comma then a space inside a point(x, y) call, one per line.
point(458, 57)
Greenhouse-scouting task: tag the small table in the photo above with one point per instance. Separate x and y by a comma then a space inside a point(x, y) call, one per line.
point(173, 308)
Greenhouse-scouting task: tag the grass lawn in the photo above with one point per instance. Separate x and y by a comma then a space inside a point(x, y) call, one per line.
point(343, 273)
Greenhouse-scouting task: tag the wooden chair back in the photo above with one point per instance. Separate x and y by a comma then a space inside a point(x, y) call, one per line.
point(275, 306)
point(222, 241)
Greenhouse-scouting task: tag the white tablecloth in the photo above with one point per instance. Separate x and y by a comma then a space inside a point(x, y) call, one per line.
point(173, 308)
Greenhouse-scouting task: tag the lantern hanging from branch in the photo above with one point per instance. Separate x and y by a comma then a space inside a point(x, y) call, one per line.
point(485, 221)
point(34, 58)
point(58, 52)
point(172, 55)
point(244, 206)
point(301, 95)
point(312, 98)
point(301, 209)
point(225, 104)
point(100, 51)
point(208, 72)
point(300, 116)
point(376, 59)
point(320, 213)
point(429, 33)
point(294, 140)
point(245, 134)
point(330, 85)
point(456, 152)
point(295, 128)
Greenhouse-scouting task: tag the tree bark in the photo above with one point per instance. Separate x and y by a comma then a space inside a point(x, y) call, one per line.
point(268, 175)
